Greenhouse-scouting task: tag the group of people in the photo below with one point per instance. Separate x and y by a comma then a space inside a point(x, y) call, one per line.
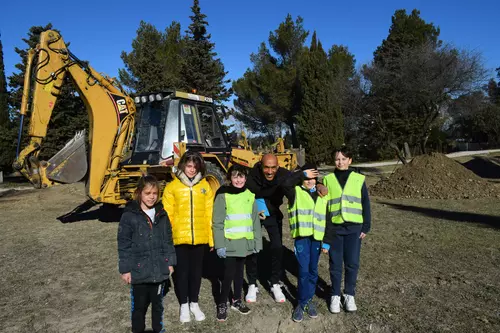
point(156, 238)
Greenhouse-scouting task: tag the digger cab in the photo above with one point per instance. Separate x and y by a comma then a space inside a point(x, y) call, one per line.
point(168, 118)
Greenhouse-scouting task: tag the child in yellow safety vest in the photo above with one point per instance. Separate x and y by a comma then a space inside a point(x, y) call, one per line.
point(237, 234)
point(348, 222)
point(307, 216)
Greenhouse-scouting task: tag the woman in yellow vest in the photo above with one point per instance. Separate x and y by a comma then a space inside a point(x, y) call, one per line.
point(348, 222)
point(307, 216)
point(188, 200)
point(237, 234)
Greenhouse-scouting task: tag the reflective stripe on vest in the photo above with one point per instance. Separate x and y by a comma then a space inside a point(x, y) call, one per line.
point(306, 217)
point(238, 223)
point(345, 205)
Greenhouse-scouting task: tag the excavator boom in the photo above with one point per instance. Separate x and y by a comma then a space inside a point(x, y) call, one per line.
point(111, 114)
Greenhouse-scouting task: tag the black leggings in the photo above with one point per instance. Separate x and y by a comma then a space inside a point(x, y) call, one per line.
point(187, 275)
point(142, 295)
point(233, 271)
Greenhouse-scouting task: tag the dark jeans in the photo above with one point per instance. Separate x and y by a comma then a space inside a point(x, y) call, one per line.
point(307, 251)
point(141, 296)
point(345, 249)
point(275, 232)
point(187, 274)
point(233, 271)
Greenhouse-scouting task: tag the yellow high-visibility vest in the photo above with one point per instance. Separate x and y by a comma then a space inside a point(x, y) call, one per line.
point(238, 223)
point(345, 205)
point(306, 217)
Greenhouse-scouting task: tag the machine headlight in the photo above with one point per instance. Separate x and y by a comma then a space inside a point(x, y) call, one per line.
point(137, 100)
point(144, 99)
point(158, 97)
point(151, 98)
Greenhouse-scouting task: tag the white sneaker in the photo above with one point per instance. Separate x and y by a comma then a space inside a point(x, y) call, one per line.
point(185, 316)
point(278, 294)
point(251, 296)
point(195, 310)
point(334, 304)
point(349, 304)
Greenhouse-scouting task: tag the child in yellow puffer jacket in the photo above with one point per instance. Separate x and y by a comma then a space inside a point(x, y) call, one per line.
point(188, 200)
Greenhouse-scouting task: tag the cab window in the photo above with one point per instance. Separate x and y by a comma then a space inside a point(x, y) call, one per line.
point(190, 117)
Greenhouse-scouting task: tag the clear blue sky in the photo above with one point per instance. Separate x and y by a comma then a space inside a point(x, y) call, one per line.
point(100, 30)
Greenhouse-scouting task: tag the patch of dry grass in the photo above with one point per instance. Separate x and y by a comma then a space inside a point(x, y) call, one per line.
point(427, 266)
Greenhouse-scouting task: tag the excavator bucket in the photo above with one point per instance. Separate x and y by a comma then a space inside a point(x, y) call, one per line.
point(69, 165)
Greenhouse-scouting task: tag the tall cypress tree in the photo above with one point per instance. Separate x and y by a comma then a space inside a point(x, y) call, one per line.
point(201, 70)
point(320, 118)
point(4, 96)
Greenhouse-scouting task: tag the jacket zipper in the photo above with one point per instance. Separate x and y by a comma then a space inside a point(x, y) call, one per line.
point(151, 223)
point(192, 226)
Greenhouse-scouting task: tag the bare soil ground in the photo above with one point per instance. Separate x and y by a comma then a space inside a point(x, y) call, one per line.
point(435, 176)
point(427, 266)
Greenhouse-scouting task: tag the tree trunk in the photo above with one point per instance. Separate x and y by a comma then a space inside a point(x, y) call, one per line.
point(423, 143)
point(398, 152)
point(293, 133)
point(407, 151)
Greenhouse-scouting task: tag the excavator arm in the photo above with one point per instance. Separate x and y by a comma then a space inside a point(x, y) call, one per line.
point(111, 118)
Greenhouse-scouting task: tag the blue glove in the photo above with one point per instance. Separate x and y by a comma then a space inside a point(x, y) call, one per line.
point(221, 252)
point(326, 246)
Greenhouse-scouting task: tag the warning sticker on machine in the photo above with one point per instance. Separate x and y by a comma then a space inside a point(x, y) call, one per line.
point(186, 108)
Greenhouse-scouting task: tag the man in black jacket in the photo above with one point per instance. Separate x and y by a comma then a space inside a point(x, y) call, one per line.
point(265, 181)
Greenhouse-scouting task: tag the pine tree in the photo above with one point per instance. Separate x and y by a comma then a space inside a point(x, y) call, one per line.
point(154, 64)
point(258, 94)
point(407, 30)
point(266, 94)
point(412, 79)
point(201, 70)
point(4, 95)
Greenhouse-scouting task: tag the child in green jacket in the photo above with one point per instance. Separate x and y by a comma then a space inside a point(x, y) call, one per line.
point(237, 234)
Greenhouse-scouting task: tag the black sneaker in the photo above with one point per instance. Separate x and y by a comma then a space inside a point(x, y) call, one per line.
point(222, 312)
point(241, 307)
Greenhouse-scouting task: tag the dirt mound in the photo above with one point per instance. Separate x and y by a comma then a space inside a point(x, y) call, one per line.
point(434, 176)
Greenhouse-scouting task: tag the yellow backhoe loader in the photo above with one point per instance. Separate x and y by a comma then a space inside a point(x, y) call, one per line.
point(127, 137)
point(243, 154)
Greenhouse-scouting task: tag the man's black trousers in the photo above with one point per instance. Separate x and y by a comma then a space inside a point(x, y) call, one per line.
point(275, 232)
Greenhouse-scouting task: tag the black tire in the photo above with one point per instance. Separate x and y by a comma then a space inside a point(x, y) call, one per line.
point(215, 172)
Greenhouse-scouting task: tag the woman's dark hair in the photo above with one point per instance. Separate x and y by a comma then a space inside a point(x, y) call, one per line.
point(145, 181)
point(345, 151)
point(236, 170)
point(196, 158)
